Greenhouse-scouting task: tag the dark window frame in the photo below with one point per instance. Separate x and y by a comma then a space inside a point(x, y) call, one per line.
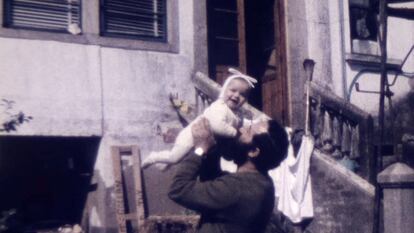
point(105, 33)
point(8, 19)
point(363, 29)
point(367, 13)
point(90, 31)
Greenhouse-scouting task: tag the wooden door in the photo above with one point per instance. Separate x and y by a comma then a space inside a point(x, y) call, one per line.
point(274, 81)
point(250, 35)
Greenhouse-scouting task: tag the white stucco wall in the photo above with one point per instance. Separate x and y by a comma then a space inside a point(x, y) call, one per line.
point(64, 86)
point(400, 40)
point(329, 43)
point(319, 48)
point(121, 95)
point(56, 83)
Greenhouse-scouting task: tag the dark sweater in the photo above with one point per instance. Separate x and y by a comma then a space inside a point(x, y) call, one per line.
point(238, 202)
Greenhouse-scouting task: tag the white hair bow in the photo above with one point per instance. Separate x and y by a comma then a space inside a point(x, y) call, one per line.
point(237, 74)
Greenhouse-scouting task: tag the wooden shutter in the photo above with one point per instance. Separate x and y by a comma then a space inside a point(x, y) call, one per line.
point(275, 91)
point(50, 15)
point(143, 19)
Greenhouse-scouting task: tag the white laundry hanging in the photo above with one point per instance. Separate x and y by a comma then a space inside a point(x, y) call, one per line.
point(293, 184)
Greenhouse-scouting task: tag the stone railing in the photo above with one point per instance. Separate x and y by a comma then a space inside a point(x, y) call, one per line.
point(343, 200)
point(342, 131)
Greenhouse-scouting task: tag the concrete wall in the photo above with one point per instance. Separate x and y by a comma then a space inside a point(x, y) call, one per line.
point(92, 86)
point(343, 202)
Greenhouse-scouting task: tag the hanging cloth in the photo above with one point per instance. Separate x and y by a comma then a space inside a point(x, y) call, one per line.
point(293, 184)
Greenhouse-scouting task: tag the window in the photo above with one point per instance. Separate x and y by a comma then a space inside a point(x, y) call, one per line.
point(363, 25)
point(363, 19)
point(139, 19)
point(48, 15)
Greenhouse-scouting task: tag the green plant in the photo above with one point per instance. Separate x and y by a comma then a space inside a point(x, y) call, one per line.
point(10, 120)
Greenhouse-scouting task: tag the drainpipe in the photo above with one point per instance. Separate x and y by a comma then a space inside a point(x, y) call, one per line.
point(382, 34)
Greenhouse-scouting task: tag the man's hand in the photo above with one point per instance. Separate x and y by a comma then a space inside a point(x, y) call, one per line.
point(202, 135)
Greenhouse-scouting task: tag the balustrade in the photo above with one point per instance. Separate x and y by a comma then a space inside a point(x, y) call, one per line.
point(340, 129)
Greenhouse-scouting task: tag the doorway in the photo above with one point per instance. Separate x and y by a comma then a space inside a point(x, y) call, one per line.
point(249, 35)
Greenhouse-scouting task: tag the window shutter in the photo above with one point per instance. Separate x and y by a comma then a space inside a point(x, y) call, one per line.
point(49, 15)
point(143, 19)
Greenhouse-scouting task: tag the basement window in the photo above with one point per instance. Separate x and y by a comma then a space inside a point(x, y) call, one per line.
point(44, 15)
point(44, 181)
point(134, 19)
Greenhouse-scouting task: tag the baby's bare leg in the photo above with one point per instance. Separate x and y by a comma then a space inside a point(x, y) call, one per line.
point(173, 156)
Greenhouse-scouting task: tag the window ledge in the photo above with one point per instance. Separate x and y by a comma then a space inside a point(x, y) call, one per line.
point(365, 47)
point(92, 39)
point(370, 61)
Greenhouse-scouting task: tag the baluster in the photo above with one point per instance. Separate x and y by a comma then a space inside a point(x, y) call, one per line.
point(319, 125)
point(197, 97)
point(314, 118)
point(336, 139)
point(205, 102)
point(346, 139)
point(327, 133)
point(354, 153)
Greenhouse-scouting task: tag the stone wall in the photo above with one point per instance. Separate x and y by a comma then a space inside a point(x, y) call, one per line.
point(343, 202)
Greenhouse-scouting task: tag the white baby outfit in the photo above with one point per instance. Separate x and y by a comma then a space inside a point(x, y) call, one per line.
point(223, 122)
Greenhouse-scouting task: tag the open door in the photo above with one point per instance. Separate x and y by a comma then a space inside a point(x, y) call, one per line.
point(274, 80)
point(249, 35)
point(226, 37)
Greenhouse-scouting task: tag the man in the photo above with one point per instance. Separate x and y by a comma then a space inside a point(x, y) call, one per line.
point(239, 202)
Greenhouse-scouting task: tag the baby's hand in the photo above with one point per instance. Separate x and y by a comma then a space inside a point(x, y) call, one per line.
point(202, 135)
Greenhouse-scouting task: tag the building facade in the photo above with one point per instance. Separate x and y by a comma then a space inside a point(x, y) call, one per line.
point(97, 73)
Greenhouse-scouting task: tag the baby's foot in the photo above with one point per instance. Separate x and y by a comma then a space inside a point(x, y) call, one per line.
point(148, 161)
point(162, 166)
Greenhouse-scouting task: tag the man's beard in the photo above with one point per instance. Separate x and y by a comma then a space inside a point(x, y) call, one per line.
point(237, 152)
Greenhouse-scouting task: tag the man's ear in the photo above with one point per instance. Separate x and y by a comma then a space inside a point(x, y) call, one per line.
point(253, 152)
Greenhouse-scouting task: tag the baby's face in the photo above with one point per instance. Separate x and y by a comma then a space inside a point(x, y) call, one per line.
point(236, 93)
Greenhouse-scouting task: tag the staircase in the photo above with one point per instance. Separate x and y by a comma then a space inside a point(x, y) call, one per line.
point(343, 199)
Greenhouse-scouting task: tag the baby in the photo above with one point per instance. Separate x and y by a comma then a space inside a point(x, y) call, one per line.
point(224, 116)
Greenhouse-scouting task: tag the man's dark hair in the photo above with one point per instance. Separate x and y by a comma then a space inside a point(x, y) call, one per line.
point(273, 147)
